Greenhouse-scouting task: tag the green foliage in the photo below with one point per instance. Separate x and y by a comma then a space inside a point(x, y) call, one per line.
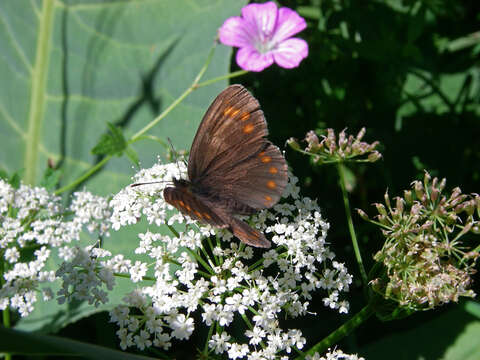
point(113, 143)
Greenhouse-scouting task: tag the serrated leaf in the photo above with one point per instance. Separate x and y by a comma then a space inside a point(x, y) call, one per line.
point(51, 178)
point(132, 155)
point(113, 143)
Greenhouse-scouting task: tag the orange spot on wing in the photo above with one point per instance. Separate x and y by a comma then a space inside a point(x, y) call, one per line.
point(207, 216)
point(198, 214)
point(234, 112)
point(260, 154)
point(266, 159)
point(268, 198)
point(188, 207)
point(228, 111)
point(271, 184)
point(182, 204)
point(247, 129)
point(273, 170)
point(245, 116)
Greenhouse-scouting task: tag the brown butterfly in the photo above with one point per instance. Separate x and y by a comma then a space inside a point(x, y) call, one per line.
point(232, 168)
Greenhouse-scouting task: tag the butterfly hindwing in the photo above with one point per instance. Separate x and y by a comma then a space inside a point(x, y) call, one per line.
point(189, 204)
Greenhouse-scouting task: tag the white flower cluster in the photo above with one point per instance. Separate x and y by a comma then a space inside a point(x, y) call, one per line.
point(131, 203)
point(335, 355)
point(84, 277)
point(33, 222)
point(224, 283)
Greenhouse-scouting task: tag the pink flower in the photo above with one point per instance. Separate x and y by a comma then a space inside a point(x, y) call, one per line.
point(264, 35)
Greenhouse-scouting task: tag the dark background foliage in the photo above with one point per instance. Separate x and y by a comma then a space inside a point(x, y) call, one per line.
point(408, 72)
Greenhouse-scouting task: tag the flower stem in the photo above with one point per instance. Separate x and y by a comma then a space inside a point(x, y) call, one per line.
point(85, 176)
point(5, 313)
point(341, 332)
point(223, 77)
point(346, 203)
point(38, 90)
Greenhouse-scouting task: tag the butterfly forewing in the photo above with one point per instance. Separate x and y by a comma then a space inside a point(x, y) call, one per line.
point(234, 117)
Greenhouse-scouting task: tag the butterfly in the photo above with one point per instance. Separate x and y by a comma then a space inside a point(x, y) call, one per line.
point(232, 168)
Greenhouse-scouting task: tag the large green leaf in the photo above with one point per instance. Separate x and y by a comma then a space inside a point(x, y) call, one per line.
point(14, 342)
point(69, 68)
point(453, 335)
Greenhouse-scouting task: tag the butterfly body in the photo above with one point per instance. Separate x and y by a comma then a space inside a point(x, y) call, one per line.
point(232, 168)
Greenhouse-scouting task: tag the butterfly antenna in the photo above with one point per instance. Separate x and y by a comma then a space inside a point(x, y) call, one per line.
point(148, 183)
point(175, 153)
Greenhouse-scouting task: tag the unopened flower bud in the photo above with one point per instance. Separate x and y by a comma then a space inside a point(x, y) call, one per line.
point(387, 199)
point(426, 178)
point(362, 214)
point(361, 133)
point(293, 143)
point(419, 190)
point(374, 156)
point(381, 209)
point(407, 194)
point(341, 139)
point(399, 204)
point(434, 193)
point(311, 138)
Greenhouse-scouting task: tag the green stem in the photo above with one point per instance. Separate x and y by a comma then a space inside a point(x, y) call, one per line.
point(209, 336)
point(346, 203)
point(5, 313)
point(85, 176)
point(223, 77)
point(178, 100)
point(341, 332)
point(37, 98)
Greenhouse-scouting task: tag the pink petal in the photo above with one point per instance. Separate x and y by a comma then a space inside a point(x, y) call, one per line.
point(235, 32)
point(248, 58)
point(289, 23)
point(261, 18)
point(289, 53)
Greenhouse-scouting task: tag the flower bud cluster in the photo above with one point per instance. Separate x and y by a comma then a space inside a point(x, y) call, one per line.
point(427, 260)
point(332, 150)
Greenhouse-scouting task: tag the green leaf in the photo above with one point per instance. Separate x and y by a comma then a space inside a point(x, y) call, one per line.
point(113, 143)
point(23, 343)
point(132, 155)
point(51, 178)
point(452, 335)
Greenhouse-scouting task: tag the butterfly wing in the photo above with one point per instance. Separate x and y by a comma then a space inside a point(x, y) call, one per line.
point(230, 158)
point(191, 205)
point(233, 112)
point(201, 209)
